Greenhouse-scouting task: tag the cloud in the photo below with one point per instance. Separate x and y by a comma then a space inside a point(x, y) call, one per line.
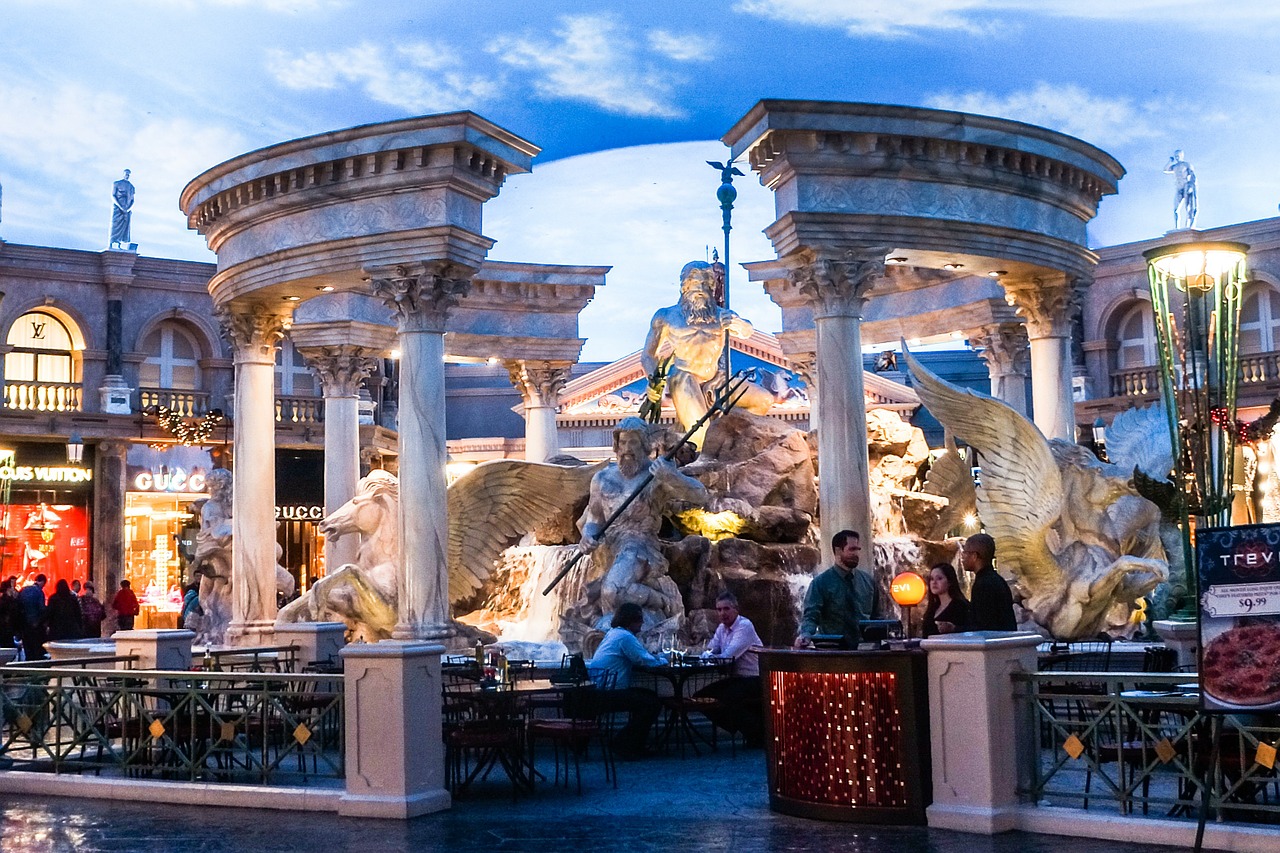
point(63, 147)
point(422, 77)
point(592, 58)
point(686, 48)
point(894, 20)
point(646, 210)
point(1069, 109)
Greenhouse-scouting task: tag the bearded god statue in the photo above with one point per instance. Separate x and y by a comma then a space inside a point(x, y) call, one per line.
point(691, 335)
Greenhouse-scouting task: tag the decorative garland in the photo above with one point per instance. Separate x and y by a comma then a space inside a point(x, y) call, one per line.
point(1254, 431)
point(189, 433)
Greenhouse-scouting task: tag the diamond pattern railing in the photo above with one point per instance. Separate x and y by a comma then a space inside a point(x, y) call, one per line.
point(267, 729)
point(1139, 741)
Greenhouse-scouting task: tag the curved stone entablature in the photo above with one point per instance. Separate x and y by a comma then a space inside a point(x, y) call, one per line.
point(933, 185)
point(314, 212)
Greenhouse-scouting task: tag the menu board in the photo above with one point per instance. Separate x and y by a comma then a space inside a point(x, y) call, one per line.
point(1239, 570)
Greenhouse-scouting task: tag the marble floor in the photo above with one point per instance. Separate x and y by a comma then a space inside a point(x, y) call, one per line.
point(709, 803)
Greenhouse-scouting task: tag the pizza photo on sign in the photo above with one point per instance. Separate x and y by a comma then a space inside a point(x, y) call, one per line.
point(1241, 665)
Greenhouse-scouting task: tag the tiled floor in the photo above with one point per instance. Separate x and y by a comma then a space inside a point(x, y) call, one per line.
point(712, 803)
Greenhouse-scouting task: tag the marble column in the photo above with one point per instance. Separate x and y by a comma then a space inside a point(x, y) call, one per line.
point(340, 370)
point(421, 295)
point(1004, 349)
point(254, 331)
point(1047, 308)
point(806, 364)
point(539, 384)
point(109, 485)
point(836, 286)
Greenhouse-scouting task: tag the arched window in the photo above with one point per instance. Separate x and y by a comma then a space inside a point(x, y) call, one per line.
point(173, 359)
point(1136, 336)
point(1259, 320)
point(42, 350)
point(293, 377)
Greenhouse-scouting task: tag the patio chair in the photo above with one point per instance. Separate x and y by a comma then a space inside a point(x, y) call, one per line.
point(584, 718)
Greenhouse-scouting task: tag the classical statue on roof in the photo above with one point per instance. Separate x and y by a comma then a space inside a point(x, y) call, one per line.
point(1184, 191)
point(690, 338)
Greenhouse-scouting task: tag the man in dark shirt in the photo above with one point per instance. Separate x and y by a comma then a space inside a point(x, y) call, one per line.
point(837, 596)
point(31, 606)
point(990, 601)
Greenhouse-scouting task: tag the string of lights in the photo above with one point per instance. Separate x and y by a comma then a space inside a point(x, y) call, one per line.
point(188, 432)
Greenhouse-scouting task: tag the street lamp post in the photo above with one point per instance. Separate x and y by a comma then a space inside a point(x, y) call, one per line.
point(1196, 292)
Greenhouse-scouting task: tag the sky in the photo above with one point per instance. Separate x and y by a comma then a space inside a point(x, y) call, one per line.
point(626, 100)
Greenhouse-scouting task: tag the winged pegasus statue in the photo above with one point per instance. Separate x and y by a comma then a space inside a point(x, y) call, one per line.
point(491, 507)
point(1071, 531)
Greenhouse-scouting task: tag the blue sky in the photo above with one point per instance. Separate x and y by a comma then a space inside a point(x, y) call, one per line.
point(169, 88)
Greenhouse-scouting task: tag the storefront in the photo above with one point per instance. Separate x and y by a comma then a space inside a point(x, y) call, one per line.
point(299, 511)
point(45, 509)
point(165, 488)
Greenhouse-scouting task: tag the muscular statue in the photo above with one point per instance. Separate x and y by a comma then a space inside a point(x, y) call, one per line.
point(636, 570)
point(212, 562)
point(1184, 190)
point(121, 211)
point(691, 334)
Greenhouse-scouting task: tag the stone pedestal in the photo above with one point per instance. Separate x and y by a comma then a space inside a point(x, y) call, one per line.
point(115, 396)
point(395, 754)
point(1182, 637)
point(977, 731)
point(163, 648)
point(316, 641)
point(77, 649)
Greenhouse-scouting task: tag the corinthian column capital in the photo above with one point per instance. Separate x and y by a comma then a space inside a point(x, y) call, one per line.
point(421, 295)
point(340, 369)
point(254, 330)
point(836, 282)
point(539, 382)
point(1047, 306)
point(1003, 347)
point(806, 365)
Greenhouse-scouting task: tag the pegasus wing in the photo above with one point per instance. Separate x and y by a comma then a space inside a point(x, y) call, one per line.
point(949, 477)
point(1140, 438)
point(496, 503)
point(1021, 493)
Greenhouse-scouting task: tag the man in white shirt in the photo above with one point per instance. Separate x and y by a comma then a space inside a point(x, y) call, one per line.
point(739, 706)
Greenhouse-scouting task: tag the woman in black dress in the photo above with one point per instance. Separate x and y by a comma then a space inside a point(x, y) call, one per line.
point(947, 611)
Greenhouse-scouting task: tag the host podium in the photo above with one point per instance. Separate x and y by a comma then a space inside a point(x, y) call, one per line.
point(846, 734)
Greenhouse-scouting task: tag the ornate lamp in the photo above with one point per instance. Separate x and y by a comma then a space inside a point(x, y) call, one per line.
point(907, 590)
point(1196, 292)
point(75, 449)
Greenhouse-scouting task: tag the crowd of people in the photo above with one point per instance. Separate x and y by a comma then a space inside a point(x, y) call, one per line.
point(29, 617)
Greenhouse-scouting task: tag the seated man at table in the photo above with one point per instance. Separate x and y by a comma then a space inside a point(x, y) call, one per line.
point(619, 652)
point(739, 706)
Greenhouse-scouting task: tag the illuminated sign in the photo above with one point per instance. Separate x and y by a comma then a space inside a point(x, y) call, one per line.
point(45, 474)
point(169, 480)
point(300, 513)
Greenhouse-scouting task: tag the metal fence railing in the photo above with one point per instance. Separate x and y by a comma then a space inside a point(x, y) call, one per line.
point(1138, 742)
point(262, 728)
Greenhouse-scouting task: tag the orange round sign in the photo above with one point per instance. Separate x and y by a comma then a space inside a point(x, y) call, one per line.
point(907, 589)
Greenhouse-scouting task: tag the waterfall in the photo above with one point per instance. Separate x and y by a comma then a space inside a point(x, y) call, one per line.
point(530, 621)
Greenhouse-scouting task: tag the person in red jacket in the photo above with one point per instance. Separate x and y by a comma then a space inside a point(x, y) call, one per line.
point(125, 604)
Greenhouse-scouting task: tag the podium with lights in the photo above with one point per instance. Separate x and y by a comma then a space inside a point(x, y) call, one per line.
point(846, 734)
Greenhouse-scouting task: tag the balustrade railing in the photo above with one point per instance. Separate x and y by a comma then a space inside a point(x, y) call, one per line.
point(300, 410)
point(1264, 367)
point(1139, 741)
point(186, 403)
point(42, 396)
point(269, 729)
point(1135, 382)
